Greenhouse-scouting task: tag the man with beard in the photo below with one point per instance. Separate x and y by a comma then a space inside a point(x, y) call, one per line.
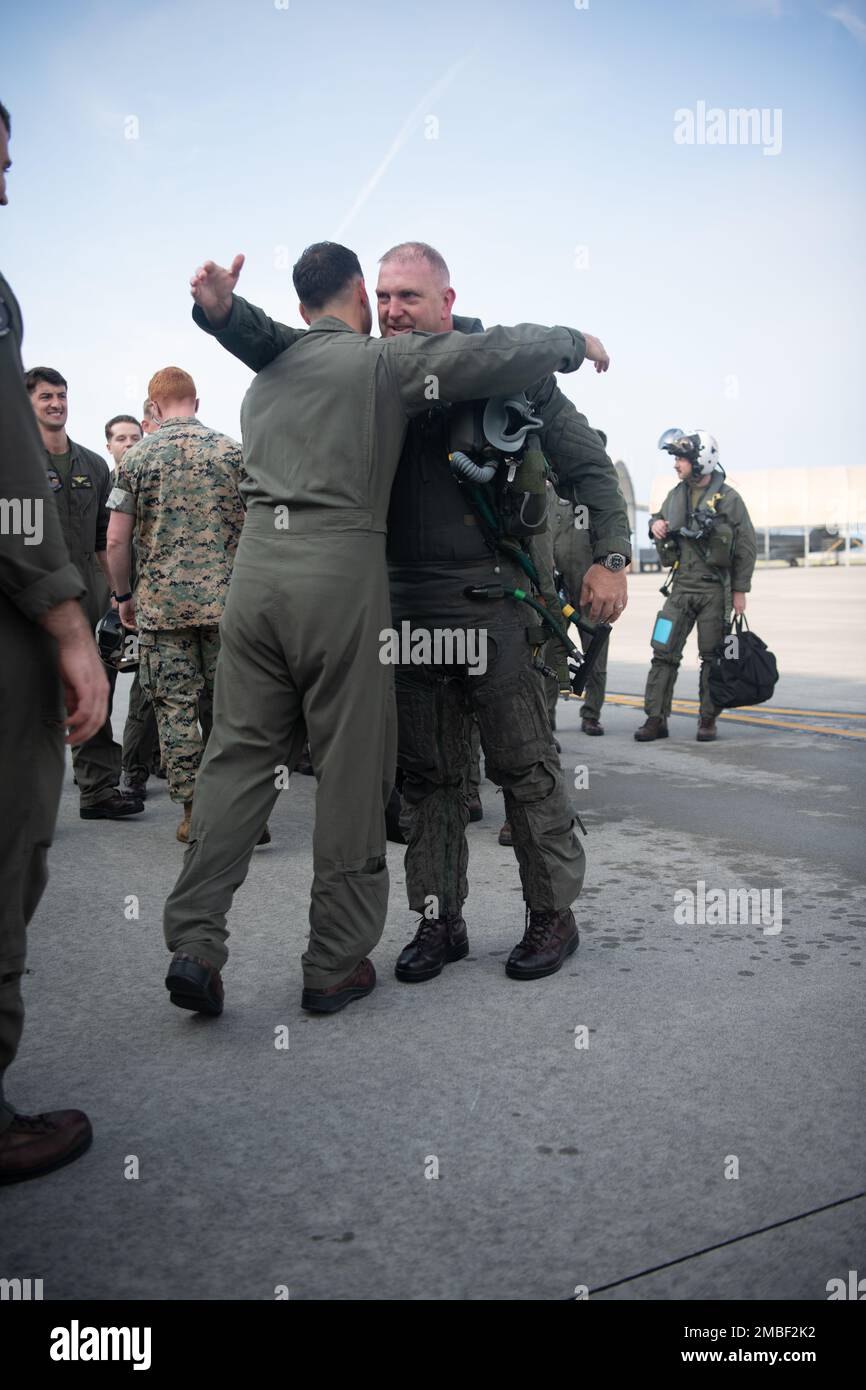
point(437, 550)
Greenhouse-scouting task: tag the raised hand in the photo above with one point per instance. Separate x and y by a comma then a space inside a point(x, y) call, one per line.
point(212, 288)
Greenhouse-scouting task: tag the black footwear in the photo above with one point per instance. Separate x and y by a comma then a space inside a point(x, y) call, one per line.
point(304, 765)
point(265, 837)
point(37, 1144)
point(134, 788)
point(706, 729)
point(655, 727)
point(476, 810)
point(505, 837)
point(550, 938)
point(114, 807)
point(436, 943)
point(593, 727)
point(194, 984)
point(329, 1001)
point(392, 818)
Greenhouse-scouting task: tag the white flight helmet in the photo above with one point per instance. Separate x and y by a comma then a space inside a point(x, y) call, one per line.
point(698, 446)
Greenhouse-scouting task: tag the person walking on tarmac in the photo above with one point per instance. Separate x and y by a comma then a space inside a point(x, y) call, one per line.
point(323, 427)
point(705, 533)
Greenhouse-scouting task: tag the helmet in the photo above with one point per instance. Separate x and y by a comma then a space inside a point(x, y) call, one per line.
point(699, 447)
point(118, 647)
point(508, 420)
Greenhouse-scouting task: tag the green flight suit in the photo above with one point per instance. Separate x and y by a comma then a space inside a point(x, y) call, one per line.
point(81, 493)
point(302, 634)
point(34, 578)
point(573, 556)
point(707, 573)
point(435, 551)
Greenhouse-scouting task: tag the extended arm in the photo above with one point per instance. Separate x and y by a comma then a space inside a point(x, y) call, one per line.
point(242, 329)
point(470, 366)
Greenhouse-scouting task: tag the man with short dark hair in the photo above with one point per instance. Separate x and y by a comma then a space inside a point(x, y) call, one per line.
point(121, 432)
point(80, 482)
point(323, 429)
point(448, 573)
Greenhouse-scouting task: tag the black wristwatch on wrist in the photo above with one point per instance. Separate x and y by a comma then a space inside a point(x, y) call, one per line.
point(613, 561)
point(122, 598)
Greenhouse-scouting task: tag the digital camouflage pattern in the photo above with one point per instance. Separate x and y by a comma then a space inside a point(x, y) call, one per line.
point(182, 486)
point(176, 666)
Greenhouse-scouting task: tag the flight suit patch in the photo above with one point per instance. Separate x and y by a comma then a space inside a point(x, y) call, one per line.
point(81, 480)
point(55, 482)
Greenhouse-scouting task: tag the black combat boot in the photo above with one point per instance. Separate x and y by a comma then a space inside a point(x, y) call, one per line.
point(195, 984)
point(437, 942)
point(655, 727)
point(550, 938)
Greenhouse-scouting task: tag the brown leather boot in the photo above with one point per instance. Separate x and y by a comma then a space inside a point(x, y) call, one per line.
point(182, 831)
point(505, 836)
point(550, 938)
point(436, 943)
point(594, 727)
point(329, 1001)
point(655, 727)
point(36, 1144)
point(476, 810)
point(706, 729)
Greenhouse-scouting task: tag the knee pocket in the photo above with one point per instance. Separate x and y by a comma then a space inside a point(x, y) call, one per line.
point(168, 675)
point(669, 633)
point(515, 729)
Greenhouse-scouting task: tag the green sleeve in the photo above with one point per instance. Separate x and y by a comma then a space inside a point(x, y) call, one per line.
point(583, 470)
point(745, 549)
point(470, 366)
point(36, 573)
point(249, 334)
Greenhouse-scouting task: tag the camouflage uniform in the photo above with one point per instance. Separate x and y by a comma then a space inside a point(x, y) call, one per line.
point(573, 555)
point(182, 486)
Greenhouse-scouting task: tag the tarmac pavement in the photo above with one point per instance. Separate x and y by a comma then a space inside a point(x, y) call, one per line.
point(731, 1047)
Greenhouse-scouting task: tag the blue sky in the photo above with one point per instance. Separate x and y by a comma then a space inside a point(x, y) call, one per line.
point(727, 284)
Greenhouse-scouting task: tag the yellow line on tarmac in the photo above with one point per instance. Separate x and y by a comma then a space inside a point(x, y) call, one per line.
point(690, 706)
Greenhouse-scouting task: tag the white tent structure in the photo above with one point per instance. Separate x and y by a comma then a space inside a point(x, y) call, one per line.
point(795, 499)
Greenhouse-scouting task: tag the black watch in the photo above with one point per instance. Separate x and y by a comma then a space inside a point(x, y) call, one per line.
point(613, 561)
point(122, 598)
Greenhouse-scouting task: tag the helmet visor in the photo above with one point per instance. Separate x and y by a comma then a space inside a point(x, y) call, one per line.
point(672, 440)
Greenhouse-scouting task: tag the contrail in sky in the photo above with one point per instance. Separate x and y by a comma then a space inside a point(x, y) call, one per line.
point(423, 108)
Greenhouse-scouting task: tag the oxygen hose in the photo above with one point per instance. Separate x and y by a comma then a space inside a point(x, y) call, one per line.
point(463, 467)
